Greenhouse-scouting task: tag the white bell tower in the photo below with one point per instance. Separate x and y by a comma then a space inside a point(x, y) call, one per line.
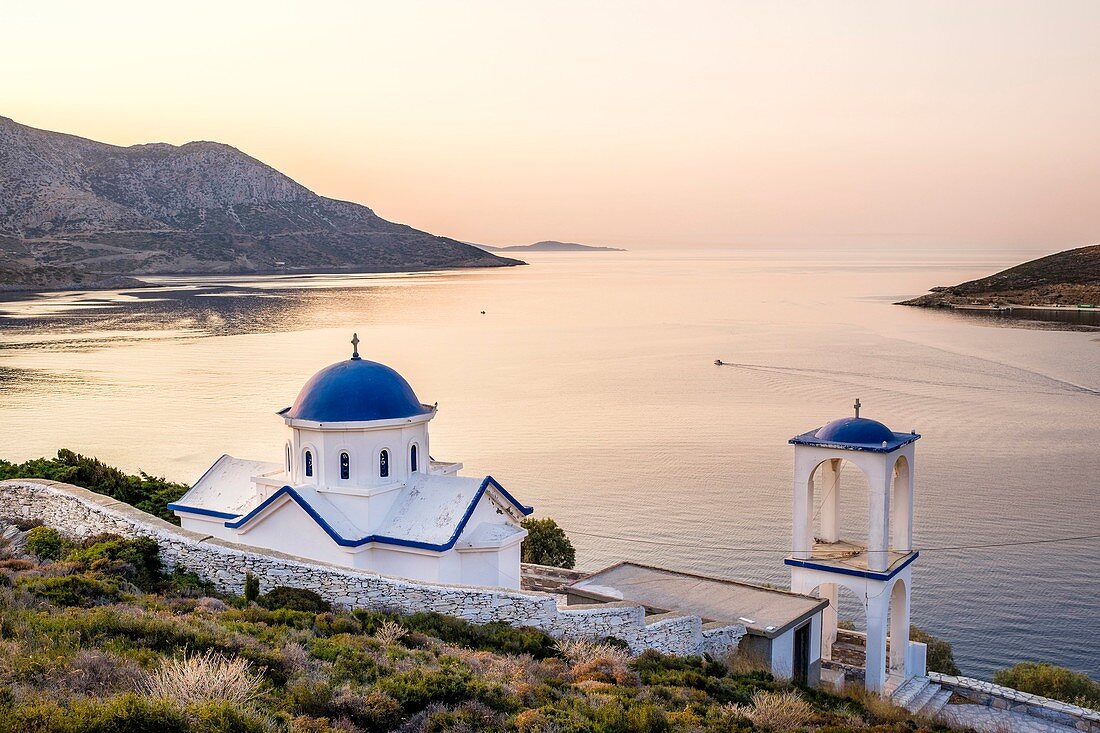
point(876, 567)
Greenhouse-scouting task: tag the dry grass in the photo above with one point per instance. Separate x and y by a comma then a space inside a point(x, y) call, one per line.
point(94, 672)
point(882, 709)
point(581, 651)
point(776, 710)
point(746, 662)
point(389, 632)
point(208, 677)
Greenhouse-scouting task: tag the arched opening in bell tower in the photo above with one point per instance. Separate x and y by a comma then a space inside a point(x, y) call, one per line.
point(841, 495)
point(901, 506)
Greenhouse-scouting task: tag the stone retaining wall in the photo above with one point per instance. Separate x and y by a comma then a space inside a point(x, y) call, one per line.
point(1007, 698)
point(77, 512)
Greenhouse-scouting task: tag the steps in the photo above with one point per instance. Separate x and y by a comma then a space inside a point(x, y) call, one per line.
point(921, 696)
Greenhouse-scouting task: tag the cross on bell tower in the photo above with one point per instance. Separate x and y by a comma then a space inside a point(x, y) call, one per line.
point(355, 346)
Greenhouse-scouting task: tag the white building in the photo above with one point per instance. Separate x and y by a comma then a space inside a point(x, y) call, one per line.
point(877, 568)
point(357, 487)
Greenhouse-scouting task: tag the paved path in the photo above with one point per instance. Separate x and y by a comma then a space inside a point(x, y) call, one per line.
point(993, 720)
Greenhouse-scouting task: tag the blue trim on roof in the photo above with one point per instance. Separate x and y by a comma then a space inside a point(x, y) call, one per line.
point(383, 539)
point(872, 574)
point(173, 507)
point(892, 444)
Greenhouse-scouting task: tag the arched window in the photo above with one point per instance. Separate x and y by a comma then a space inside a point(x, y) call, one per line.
point(309, 463)
point(288, 458)
point(345, 466)
point(414, 459)
point(384, 464)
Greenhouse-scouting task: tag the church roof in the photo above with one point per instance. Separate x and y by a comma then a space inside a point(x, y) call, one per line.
point(223, 491)
point(430, 513)
point(355, 390)
point(855, 433)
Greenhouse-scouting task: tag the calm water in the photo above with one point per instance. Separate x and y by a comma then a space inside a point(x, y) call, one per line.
point(588, 388)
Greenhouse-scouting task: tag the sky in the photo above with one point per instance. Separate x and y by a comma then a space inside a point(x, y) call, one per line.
point(882, 123)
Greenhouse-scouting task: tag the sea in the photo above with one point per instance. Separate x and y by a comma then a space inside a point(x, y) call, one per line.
point(586, 384)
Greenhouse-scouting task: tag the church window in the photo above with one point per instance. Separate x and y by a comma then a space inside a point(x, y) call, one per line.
point(345, 466)
point(414, 459)
point(384, 464)
point(288, 459)
point(309, 463)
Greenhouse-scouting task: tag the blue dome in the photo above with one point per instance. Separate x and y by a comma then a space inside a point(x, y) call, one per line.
point(355, 390)
point(857, 430)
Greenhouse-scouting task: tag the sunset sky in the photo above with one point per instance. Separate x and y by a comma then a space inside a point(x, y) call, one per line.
point(642, 124)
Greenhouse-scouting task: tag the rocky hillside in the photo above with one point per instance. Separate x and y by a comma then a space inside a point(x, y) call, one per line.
point(71, 207)
point(1067, 278)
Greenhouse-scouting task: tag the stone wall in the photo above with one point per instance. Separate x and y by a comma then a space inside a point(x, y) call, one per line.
point(1007, 698)
point(78, 512)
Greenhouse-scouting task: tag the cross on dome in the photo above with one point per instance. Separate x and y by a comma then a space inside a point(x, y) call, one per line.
point(857, 406)
point(355, 347)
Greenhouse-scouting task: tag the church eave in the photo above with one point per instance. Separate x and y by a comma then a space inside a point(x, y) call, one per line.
point(288, 491)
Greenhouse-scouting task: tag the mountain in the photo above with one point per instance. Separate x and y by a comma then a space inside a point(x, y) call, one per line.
point(76, 208)
point(1066, 278)
point(550, 246)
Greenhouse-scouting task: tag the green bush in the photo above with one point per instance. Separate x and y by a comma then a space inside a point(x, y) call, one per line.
point(451, 684)
point(129, 713)
point(148, 493)
point(1048, 680)
point(138, 559)
point(940, 658)
point(45, 542)
point(73, 590)
point(495, 637)
point(700, 673)
point(251, 588)
point(293, 599)
point(547, 544)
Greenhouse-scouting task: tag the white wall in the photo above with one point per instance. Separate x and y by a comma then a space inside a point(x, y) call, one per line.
point(364, 446)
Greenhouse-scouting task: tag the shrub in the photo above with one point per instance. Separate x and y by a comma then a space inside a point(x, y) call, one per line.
point(201, 678)
point(350, 656)
point(148, 493)
point(72, 590)
point(138, 559)
point(1050, 681)
point(451, 684)
point(131, 713)
point(45, 542)
point(93, 672)
point(373, 711)
point(471, 716)
point(700, 673)
point(251, 588)
point(547, 544)
point(776, 710)
point(389, 632)
point(941, 658)
point(294, 599)
point(496, 637)
point(580, 651)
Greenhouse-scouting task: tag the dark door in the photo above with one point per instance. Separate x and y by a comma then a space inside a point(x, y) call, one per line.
point(801, 662)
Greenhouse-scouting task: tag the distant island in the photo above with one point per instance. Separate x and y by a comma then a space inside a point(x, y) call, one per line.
point(1070, 278)
point(76, 213)
point(550, 245)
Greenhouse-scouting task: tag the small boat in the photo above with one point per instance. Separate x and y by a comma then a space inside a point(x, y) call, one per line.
point(719, 362)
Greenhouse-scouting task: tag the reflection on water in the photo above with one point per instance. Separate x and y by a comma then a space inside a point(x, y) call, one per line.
point(588, 388)
point(1082, 318)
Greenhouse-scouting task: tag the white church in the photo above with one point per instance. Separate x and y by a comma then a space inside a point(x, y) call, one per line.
point(358, 487)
